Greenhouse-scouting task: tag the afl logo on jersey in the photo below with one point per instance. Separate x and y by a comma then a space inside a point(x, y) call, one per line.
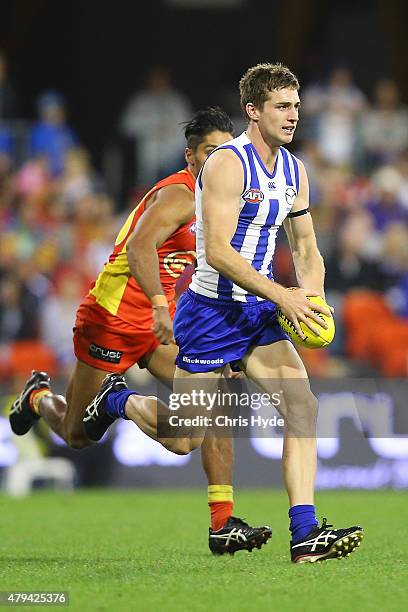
point(290, 195)
point(192, 228)
point(253, 196)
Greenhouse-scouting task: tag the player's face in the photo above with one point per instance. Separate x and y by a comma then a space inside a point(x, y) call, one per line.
point(278, 118)
point(196, 158)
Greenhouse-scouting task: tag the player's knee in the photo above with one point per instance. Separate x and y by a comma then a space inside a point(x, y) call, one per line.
point(301, 417)
point(181, 446)
point(308, 409)
point(77, 443)
point(76, 440)
point(312, 407)
point(181, 449)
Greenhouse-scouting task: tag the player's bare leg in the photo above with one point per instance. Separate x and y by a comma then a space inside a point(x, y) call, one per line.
point(144, 410)
point(147, 411)
point(228, 534)
point(280, 361)
point(217, 458)
point(82, 387)
point(234, 534)
point(310, 542)
point(114, 399)
point(160, 363)
point(217, 455)
point(63, 414)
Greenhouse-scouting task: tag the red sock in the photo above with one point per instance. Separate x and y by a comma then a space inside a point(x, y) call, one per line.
point(220, 513)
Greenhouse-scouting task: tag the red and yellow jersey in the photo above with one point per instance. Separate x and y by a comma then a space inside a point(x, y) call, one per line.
point(115, 289)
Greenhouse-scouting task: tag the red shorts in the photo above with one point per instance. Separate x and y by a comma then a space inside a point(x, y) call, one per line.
point(106, 342)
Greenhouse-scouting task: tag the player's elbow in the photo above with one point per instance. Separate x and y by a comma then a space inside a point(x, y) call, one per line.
point(135, 249)
point(211, 258)
point(134, 246)
point(215, 256)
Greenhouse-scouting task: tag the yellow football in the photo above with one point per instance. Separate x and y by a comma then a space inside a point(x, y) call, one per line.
point(311, 340)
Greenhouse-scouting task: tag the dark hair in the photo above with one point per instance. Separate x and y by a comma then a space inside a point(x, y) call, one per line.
point(204, 122)
point(260, 80)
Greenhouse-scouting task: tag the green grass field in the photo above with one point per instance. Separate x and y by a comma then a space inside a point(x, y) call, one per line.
point(147, 550)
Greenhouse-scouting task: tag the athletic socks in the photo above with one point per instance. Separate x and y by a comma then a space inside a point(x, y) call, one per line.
point(221, 503)
point(302, 521)
point(35, 398)
point(115, 403)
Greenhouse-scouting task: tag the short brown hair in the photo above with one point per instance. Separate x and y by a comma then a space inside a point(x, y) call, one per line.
point(261, 79)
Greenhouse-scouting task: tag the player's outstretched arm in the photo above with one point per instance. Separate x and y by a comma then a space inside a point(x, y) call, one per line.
point(308, 262)
point(222, 188)
point(172, 206)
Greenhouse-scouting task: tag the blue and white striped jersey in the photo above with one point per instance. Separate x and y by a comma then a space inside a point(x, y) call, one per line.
point(266, 200)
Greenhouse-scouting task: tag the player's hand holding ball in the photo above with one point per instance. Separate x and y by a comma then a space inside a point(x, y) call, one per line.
point(306, 318)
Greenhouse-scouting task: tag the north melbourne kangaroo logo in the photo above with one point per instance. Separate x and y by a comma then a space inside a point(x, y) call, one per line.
point(290, 195)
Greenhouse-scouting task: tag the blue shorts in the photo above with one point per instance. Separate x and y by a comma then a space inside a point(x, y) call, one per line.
point(210, 333)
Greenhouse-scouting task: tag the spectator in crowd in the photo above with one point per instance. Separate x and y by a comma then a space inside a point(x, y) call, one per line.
point(77, 180)
point(6, 159)
point(33, 278)
point(334, 109)
point(18, 310)
point(402, 166)
point(99, 248)
point(58, 316)
point(51, 136)
point(6, 141)
point(386, 350)
point(9, 108)
point(394, 264)
point(385, 126)
point(312, 158)
point(385, 206)
point(348, 265)
point(6, 176)
point(349, 268)
point(153, 118)
point(33, 180)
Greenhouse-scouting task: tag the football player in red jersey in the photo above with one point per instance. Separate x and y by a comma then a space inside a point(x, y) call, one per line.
point(127, 318)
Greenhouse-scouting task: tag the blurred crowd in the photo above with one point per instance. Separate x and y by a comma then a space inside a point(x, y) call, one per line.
point(58, 223)
point(355, 148)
